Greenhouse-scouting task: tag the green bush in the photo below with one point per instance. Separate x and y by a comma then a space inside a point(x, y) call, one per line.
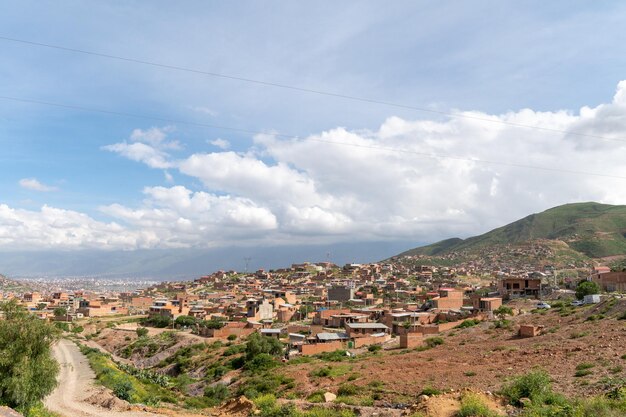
point(503, 311)
point(185, 321)
point(468, 323)
point(502, 324)
point(232, 337)
point(316, 397)
point(535, 385)
point(473, 406)
point(142, 331)
point(159, 321)
point(257, 344)
point(374, 348)
point(430, 391)
point(334, 356)
point(216, 393)
point(348, 389)
point(434, 341)
point(261, 362)
point(123, 389)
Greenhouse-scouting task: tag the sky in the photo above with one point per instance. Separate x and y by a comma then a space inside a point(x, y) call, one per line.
point(495, 110)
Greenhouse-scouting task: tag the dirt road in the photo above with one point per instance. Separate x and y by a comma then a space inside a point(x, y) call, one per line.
point(76, 384)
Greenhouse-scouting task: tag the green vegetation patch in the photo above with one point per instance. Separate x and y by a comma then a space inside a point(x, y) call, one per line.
point(124, 386)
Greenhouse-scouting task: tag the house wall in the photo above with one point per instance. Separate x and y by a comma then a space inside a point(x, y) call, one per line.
point(316, 348)
point(448, 303)
point(411, 340)
point(611, 281)
point(527, 330)
point(370, 340)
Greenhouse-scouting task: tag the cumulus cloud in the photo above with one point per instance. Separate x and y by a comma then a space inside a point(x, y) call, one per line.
point(220, 143)
point(148, 146)
point(408, 179)
point(35, 185)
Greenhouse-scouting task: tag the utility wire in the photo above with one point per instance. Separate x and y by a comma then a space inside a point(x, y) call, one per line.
point(303, 89)
point(292, 137)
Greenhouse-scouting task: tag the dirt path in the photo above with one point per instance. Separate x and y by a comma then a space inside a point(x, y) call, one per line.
point(76, 384)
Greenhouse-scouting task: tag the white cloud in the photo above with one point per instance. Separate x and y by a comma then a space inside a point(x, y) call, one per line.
point(36, 185)
point(220, 143)
point(204, 110)
point(356, 185)
point(148, 146)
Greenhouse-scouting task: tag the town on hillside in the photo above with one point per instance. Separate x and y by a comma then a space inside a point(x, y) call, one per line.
point(321, 307)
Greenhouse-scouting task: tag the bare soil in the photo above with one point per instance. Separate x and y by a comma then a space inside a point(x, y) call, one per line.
point(483, 358)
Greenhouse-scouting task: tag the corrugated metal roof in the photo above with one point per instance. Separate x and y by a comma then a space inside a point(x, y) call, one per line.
point(366, 326)
point(331, 336)
point(271, 331)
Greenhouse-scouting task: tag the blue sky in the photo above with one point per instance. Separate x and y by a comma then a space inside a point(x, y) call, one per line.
point(486, 58)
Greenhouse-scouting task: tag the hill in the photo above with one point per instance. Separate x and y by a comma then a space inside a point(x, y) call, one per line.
point(591, 229)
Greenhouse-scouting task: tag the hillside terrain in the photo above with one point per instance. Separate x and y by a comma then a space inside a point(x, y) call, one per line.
point(571, 233)
point(483, 358)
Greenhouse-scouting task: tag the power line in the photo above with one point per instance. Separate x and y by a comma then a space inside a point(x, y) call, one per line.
point(303, 89)
point(253, 132)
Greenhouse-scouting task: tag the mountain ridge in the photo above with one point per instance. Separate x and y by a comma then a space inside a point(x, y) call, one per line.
point(593, 229)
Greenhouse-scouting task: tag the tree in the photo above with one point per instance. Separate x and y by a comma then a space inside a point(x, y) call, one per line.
point(257, 344)
point(503, 311)
point(27, 369)
point(60, 312)
point(586, 288)
point(185, 321)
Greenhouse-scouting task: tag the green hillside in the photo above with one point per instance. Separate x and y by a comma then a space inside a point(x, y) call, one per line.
point(593, 229)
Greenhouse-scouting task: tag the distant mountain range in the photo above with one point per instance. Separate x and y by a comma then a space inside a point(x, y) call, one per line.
point(593, 230)
point(175, 264)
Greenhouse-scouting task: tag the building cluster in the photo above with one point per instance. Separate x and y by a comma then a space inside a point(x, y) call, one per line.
point(315, 307)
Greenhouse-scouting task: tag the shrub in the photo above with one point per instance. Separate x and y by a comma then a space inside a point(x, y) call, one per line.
point(335, 356)
point(434, 341)
point(123, 389)
point(142, 331)
point(535, 385)
point(62, 326)
point(583, 369)
point(159, 321)
point(216, 393)
point(261, 362)
point(348, 389)
point(503, 311)
point(232, 337)
point(185, 321)
point(428, 390)
point(257, 344)
point(473, 406)
point(502, 324)
point(468, 323)
point(374, 348)
point(316, 397)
